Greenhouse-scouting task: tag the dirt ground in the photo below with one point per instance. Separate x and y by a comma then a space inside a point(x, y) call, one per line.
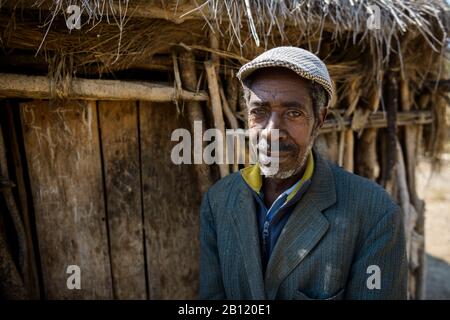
point(436, 193)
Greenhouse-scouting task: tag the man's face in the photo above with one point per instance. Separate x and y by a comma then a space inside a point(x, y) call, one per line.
point(280, 99)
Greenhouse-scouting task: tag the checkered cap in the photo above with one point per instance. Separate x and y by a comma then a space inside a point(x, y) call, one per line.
point(302, 62)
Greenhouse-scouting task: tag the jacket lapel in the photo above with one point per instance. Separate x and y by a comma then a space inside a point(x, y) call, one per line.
point(304, 228)
point(246, 225)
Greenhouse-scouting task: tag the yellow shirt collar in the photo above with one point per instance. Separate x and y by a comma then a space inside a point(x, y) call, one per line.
point(252, 176)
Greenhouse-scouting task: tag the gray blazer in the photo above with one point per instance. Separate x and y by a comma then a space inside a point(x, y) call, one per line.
point(343, 225)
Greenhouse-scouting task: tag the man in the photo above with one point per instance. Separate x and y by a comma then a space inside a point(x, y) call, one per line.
point(310, 230)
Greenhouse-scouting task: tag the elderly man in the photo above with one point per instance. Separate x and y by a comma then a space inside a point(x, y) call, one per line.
point(309, 230)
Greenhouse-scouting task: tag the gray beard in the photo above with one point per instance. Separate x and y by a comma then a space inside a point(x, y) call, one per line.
point(277, 173)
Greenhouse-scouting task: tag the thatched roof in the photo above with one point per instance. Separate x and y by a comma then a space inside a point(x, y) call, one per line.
point(410, 41)
point(116, 34)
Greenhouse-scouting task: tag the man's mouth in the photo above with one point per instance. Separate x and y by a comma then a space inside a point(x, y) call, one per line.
point(284, 150)
point(276, 156)
point(279, 154)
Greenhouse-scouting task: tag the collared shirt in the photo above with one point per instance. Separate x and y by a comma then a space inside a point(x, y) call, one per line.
point(271, 221)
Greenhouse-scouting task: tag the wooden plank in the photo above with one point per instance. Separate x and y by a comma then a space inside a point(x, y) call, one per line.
point(63, 155)
point(171, 207)
point(120, 146)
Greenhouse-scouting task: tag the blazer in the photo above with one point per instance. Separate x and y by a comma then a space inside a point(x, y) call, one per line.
point(343, 240)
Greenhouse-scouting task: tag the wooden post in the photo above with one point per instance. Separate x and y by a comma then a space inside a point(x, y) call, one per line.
point(420, 225)
point(409, 213)
point(414, 240)
point(353, 97)
point(31, 276)
point(410, 140)
point(366, 157)
point(348, 150)
point(217, 111)
point(11, 283)
point(231, 118)
point(11, 205)
point(227, 110)
point(333, 146)
point(195, 113)
point(391, 88)
point(232, 91)
point(374, 100)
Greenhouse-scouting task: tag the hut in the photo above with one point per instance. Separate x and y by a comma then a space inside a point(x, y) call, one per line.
point(91, 92)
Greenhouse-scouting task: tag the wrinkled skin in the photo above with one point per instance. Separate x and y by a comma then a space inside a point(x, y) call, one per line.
point(280, 99)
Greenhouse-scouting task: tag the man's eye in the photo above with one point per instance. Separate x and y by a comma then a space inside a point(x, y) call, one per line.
point(257, 112)
point(294, 114)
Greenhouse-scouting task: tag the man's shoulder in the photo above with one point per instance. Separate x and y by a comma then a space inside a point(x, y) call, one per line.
point(346, 179)
point(225, 187)
point(225, 183)
point(355, 190)
point(366, 208)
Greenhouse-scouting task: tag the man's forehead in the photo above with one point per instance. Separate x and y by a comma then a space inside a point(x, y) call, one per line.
point(274, 83)
point(267, 89)
point(286, 98)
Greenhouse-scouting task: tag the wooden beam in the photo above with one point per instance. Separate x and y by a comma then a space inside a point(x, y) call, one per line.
point(379, 120)
point(38, 87)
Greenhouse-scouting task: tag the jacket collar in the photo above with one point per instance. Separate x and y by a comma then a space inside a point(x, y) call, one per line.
point(303, 230)
point(252, 176)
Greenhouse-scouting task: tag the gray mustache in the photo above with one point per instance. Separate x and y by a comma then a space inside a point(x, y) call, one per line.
point(285, 147)
point(282, 146)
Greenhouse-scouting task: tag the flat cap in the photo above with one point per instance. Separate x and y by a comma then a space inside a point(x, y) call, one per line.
point(302, 62)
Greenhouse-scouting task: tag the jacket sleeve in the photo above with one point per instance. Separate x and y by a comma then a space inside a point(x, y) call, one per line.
point(211, 284)
point(380, 269)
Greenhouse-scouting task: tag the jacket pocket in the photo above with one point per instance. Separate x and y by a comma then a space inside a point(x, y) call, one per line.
point(299, 295)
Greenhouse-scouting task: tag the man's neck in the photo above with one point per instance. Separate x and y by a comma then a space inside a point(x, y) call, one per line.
point(273, 187)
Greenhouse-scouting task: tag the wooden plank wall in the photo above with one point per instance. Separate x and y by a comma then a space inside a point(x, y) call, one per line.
point(171, 204)
point(108, 198)
point(120, 149)
point(62, 147)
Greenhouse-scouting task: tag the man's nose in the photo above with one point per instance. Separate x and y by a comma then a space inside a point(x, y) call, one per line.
point(274, 127)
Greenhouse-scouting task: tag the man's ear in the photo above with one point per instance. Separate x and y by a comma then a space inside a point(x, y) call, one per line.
point(322, 115)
